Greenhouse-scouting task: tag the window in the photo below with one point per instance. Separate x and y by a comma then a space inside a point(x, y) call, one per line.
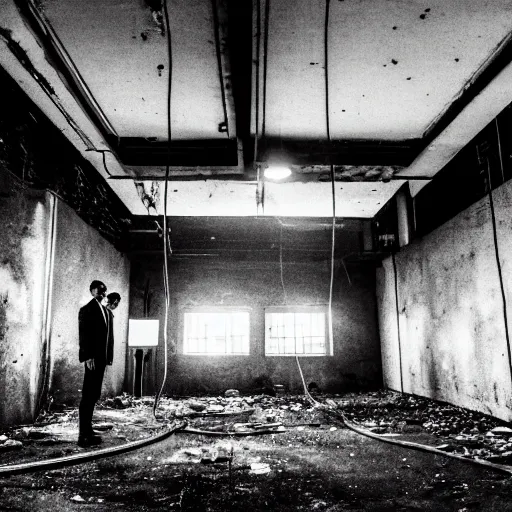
point(296, 330)
point(213, 332)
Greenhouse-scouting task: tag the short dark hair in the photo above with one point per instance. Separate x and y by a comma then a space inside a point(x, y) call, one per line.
point(97, 284)
point(112, 297)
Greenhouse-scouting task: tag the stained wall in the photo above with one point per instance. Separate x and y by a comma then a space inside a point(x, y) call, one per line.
point(81, 256)
point(24, 224)
point(48, 257)
point(452, 343)
point(255, 285)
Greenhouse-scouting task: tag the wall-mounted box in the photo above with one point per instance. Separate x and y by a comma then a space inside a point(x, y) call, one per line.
point(143, 333)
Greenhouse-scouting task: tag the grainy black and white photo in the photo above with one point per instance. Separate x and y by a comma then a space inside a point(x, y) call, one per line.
point(255, 255)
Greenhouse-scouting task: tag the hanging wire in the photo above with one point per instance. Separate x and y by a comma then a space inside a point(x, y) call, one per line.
point(257, 84)
point(497, 256)
point(165, 230)
point(328, 130)
point(265, 66)
point(259, 186)
point(285, 298)
point(103, 157)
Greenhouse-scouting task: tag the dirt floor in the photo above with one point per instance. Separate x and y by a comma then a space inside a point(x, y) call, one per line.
point(302, 458)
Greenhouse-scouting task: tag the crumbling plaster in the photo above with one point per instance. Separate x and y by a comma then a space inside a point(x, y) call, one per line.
point(39, 300)
point(450, 309)
point(24, 223)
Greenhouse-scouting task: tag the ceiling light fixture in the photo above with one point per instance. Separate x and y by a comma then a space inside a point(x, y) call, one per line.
point(277, 172)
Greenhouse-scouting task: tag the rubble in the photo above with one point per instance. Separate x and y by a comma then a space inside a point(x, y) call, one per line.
point(461, 431)
point(10, 444)
point(386, 413)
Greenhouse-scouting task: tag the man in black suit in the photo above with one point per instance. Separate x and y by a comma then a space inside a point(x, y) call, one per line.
point(93, 329)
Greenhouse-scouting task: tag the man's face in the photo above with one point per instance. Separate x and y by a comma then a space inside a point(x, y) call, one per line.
point(112, 305)
point(99, 292)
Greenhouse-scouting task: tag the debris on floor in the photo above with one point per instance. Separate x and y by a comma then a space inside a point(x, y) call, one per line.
point(387, 413)
point(306, 460)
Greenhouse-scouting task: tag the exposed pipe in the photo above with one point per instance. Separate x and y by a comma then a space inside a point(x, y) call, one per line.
point(223, 65)
point(47, 306)
point(398, 323)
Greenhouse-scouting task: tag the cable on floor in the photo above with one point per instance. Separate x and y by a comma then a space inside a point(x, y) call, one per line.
point(89, 456)
point(424, 448)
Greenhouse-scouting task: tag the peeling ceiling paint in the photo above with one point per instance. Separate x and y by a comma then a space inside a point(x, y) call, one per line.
point(395, 69)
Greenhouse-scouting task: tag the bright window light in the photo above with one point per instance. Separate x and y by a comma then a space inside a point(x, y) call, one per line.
point(277, 172)
point(296, 330)
point(216, 333)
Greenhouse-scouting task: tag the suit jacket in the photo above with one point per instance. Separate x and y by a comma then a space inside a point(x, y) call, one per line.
point(110, 341)
point(93, 332)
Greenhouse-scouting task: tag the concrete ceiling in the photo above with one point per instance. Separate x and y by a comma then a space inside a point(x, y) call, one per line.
point(409, 84)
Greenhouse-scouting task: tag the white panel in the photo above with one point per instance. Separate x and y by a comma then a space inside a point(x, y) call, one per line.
point(143, 333)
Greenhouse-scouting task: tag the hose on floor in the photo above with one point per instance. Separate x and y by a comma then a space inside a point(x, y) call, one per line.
point(89, 456)
point(415, 446)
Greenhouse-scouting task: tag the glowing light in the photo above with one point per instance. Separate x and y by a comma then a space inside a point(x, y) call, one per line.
point(277, 172)
point(142, 333)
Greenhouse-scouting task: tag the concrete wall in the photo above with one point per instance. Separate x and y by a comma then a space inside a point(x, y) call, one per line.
point(253, 285)
point(24, 224)
point(450, 309)
point(82, 255)
point(48, 257)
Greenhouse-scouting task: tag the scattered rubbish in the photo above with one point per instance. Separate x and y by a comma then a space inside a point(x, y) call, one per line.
point(103, 426)
point(197, 406)
point(279, 389)
point(215, 408)
point(194, 452)
point(502, 430)
point(11, 444)
point(386, 413)
point(259, 468)
point(77, 498)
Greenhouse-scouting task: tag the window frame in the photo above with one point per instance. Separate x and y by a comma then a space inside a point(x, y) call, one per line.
point(316, 308)
point(213, 310)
